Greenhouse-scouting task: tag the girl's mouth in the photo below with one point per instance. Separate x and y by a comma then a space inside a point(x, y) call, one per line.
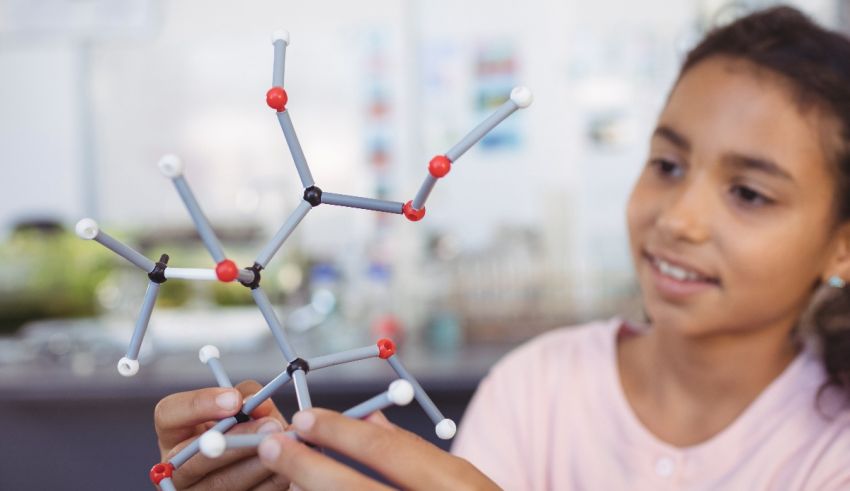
point(673, 279)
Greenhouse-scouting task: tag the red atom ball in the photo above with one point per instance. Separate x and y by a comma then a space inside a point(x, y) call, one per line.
point(411, 213)
point(276, 98)
point(439, 166)
point(226, 271)
point(386, 348)
point(161, 471)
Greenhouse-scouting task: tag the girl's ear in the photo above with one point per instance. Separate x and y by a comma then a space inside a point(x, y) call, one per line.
point(838, 263)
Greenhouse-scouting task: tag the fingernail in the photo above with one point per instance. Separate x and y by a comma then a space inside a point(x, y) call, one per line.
point(303, 420)
point(228, 400)
point(270, 427)
point(294, 487)
point(269, 450)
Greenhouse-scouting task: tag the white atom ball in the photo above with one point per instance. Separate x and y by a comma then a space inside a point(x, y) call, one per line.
point(522, 96)
point(212, 444)
point(280, 35)
point(128, 367)
point(171, 166)
point(400, 392)
point(207, 352)
point(87, 229)
point(446, 429)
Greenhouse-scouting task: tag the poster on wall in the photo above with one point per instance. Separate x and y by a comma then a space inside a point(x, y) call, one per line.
point(495, 75)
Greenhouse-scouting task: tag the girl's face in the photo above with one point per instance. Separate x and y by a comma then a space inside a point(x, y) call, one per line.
point(731, 221)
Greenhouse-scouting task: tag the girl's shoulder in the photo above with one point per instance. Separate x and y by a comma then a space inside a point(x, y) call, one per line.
point(566, 348)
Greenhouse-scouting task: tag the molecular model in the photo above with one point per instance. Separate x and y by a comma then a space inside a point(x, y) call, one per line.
point(402, 391)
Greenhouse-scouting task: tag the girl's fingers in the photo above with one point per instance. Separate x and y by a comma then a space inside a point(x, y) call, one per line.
point(266, 408)
point(309, 469)
point(176, 416)
point(199, 466)
point(398, 455)
point(180, 416)
point(245, 474)
point(379, 419)
point(274, 483)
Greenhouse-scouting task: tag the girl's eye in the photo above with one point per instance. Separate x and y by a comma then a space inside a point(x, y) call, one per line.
point(749, 196)
point(667, 168)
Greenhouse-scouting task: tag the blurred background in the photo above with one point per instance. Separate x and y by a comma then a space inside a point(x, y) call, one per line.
point(527, 233)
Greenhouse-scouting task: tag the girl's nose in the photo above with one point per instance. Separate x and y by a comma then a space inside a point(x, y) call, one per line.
point(684, 217)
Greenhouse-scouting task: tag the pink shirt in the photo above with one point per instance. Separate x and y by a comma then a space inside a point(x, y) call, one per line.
point(552, 415)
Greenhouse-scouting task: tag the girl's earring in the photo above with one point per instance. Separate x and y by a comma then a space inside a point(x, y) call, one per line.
point(836, 282)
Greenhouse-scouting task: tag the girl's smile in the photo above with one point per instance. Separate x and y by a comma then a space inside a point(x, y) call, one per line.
point(675, 280)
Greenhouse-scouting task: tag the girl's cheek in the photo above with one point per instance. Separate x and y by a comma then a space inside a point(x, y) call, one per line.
point(632, 205)
point(639, 210)
point(631, 221)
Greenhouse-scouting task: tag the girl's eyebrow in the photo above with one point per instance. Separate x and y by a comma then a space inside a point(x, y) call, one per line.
point(673, 137)
point(747, 162)
point(735, 160)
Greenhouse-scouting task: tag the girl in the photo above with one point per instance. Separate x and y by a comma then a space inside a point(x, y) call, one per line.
point(740, 234)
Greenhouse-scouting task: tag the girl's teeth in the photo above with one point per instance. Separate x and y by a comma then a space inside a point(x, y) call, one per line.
point(676, 272)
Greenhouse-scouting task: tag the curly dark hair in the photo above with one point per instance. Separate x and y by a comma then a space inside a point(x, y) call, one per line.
point(816, 64)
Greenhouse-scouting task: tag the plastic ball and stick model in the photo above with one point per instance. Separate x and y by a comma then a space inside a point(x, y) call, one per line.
point(402, 391)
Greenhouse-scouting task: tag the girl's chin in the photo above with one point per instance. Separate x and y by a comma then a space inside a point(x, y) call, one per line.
point(672, 318)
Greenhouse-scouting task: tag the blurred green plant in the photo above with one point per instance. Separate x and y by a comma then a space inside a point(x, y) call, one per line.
point(48, 273)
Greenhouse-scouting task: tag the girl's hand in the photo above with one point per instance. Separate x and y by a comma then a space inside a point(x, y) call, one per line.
point(403, 458)
point(182, 417)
